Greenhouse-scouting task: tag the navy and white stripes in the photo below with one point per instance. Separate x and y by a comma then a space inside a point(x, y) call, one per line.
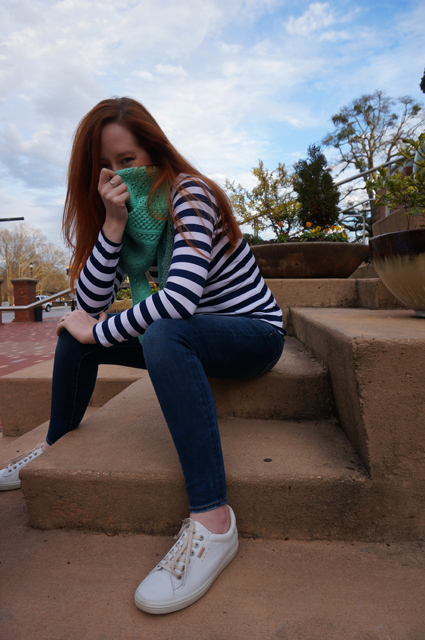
point(202, 278)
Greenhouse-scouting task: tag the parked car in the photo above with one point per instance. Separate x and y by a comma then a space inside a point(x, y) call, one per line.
point(47, 306)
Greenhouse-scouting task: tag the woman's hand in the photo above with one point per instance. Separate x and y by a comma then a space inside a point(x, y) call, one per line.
point(80, 325)
point(114, 195)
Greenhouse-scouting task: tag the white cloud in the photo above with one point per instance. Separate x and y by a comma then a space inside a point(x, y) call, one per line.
point(171, 70)
point(315, 22)
point(230, 81)
point(226, 48)
point(43, 211)
point(35, 161)
point(144, 75)
point(318, 16)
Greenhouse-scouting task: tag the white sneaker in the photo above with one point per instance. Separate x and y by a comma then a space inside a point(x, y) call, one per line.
point(9, 476)
point(189, 568)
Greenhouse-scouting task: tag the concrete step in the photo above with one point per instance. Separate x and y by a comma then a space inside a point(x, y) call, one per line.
point(298, 387)
point(25, 394)
point(119, 472)
point(368, 293)
point(77, 585)
point(376, 363)
point(313, 487)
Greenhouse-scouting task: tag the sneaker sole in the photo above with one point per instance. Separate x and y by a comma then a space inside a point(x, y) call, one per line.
point(11, 485)
point(176, 605)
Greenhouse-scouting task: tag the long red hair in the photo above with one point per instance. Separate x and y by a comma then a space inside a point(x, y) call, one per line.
point(84, 211)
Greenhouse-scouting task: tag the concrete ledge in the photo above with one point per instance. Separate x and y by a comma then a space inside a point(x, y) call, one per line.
point(376, 363)
point(347, 293)
point(298, 387)
point(397, 220)
point(335, 292)
point(71, 585)
point(25, 395)
point(373, 294)
point(120, 472)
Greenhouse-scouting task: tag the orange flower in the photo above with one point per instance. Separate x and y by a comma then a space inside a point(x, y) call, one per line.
point(308, 225)
point(280, 224)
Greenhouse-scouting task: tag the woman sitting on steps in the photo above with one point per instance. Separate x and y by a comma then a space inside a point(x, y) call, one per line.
point(133, 204)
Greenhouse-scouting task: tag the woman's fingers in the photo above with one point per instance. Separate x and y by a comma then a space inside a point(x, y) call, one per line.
point(60, 324)
point(118, 194)
point(79, 324)
point(109, 182)
point(114, 195)
point(112, 188)
point(106, 175)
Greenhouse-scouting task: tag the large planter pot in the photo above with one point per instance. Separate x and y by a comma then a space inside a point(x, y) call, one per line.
point(399, 260)
point(118, 306)
point(309, 259)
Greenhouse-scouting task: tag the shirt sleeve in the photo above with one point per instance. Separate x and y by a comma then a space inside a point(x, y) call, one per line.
point(188, 271)
point(101, 277)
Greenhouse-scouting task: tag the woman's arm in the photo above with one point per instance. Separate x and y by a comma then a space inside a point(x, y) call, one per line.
point(101, 277)
point(188, 272)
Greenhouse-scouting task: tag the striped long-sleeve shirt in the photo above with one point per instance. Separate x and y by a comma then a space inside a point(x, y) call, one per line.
point(203, 278)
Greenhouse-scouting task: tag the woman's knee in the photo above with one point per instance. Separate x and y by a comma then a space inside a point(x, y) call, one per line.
point(68, 348)
point(66, 342)
point(161, 338)
point(157, 333)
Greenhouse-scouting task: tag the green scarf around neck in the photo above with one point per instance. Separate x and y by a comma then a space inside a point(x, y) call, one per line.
point(149, 234)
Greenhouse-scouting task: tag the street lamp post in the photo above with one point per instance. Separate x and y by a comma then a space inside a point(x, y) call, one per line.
point(31, 267)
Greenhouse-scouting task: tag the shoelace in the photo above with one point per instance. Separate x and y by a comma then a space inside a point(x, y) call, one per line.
point(177, 559)
point(22, 457)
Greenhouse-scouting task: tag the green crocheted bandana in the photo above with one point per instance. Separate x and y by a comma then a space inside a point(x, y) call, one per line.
point(149, 234)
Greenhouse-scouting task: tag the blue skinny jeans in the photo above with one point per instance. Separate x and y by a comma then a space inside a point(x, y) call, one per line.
point(179, 356)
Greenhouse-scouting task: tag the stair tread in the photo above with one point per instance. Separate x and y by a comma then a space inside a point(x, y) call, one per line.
point(307, 392)
point(129, 436)
point(119, 471)
point(296, 360)
point(44, 370)
point(273, 588)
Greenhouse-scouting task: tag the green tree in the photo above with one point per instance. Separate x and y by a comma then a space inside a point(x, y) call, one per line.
point(317, 194)
point(270, 204)
point(370, 131)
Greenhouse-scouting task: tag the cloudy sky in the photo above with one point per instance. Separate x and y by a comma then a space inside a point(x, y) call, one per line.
point(230, 81)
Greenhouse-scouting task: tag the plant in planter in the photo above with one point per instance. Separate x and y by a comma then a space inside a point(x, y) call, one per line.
point(317, 194)
point(399, 257)
point(400, 189)
point(123, 294)
point(269, 205)
point(321, 248)
point(334, 233)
